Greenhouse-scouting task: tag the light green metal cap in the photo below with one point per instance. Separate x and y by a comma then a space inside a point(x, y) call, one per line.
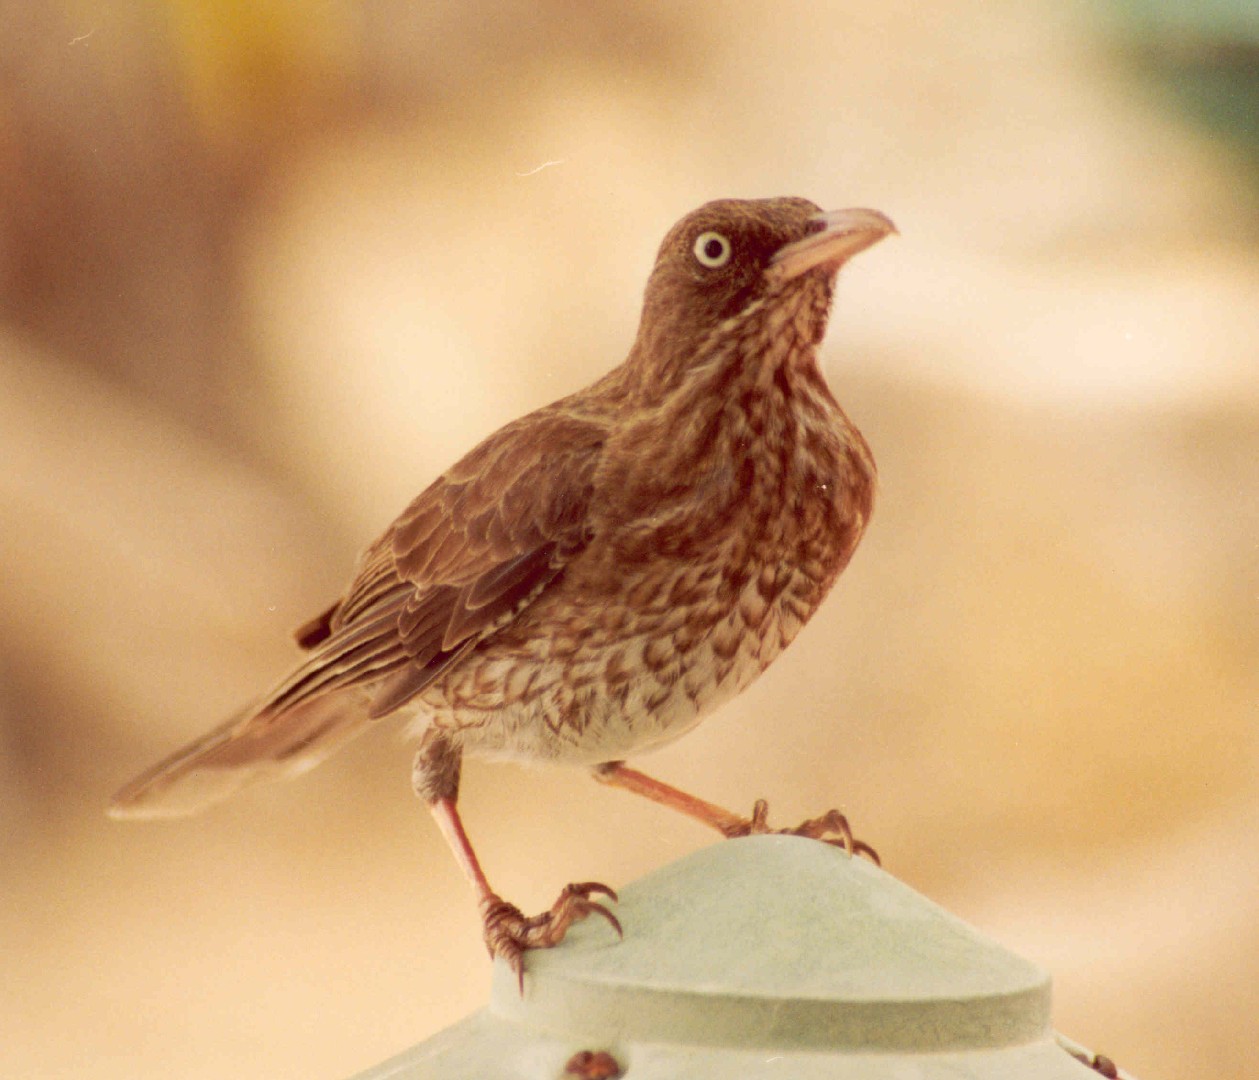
point(768, 957)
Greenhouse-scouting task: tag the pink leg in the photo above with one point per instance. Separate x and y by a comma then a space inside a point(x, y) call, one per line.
point(508, 932)
point(832, 827)
point(451, 825)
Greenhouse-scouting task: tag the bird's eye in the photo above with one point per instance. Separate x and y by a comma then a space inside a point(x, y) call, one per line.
point(712, 249)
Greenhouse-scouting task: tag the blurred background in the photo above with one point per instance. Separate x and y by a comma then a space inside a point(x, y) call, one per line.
point(267, 268)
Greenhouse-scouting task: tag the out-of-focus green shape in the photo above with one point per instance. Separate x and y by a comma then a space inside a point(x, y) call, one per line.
point(1204, 55)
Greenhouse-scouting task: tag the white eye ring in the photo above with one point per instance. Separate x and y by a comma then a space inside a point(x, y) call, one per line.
point(712, 250)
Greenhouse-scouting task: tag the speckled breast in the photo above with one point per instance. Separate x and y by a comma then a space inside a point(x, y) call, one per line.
point(684, 602)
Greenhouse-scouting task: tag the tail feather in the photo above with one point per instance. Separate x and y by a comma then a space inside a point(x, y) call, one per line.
point(258, 743)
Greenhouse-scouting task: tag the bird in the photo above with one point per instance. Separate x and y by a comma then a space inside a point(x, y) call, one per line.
point(597, 576)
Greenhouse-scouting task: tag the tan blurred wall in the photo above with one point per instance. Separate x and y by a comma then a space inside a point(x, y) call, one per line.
point(265, 270)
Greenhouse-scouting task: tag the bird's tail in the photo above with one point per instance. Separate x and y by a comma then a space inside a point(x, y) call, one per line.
point(259, 743)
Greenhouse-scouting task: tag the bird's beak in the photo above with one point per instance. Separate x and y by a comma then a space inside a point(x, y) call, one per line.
point(844, 233)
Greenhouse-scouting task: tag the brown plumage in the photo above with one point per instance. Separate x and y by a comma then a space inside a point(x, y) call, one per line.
point(594, 577)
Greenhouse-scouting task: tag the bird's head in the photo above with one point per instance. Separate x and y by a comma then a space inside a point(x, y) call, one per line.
point(736, 266)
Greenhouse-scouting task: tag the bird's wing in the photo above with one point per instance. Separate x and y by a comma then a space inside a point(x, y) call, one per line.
point(478, 547)
point(469, 553)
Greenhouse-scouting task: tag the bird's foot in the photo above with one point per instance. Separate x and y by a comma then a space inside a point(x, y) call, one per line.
point(508, 932)
point(831, 828)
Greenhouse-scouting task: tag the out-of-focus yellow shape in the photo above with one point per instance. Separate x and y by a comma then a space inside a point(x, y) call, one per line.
point(249, 64)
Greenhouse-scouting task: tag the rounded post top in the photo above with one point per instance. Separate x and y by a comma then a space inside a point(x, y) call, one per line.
point(781, 942)
point(762, 958)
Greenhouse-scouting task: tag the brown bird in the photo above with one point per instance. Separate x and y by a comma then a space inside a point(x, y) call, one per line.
point(595, 577)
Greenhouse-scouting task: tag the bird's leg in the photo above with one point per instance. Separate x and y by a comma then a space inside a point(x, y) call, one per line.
point(832, 827)
point(508, 932)
point(726, 822)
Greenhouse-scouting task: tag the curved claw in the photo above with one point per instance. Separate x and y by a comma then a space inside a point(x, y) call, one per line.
point(613, 921)
point(590, 888)
point(831, 828)
point(860, 847)
point(508, 932)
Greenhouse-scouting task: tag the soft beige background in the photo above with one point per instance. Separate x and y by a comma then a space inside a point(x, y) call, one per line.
point(265, 269)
